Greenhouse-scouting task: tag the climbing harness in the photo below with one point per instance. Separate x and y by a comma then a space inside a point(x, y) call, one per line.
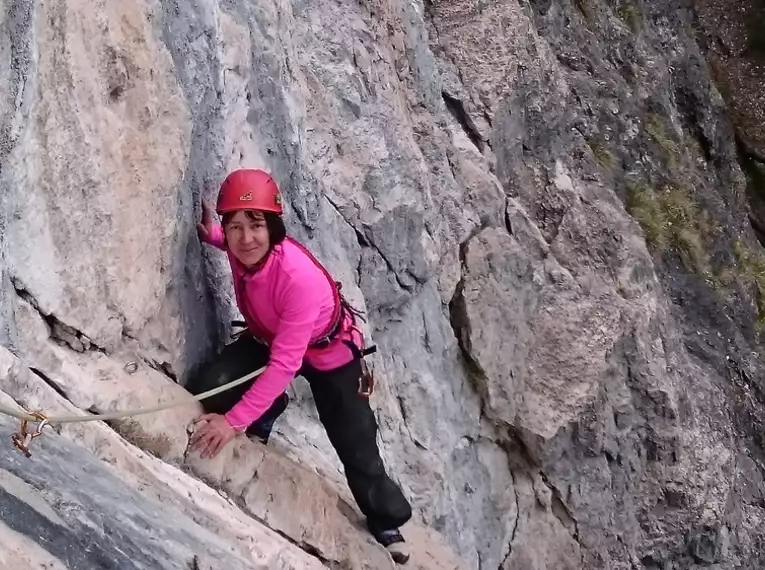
point(341, 308)
point(23, 438)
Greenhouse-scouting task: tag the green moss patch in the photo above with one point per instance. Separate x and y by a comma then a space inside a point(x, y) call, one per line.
point(630, 15)
point(656, 128)
point(751, 270)
point(671, 220)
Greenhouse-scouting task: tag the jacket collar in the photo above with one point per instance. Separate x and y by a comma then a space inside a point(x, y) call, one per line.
point(260, 268)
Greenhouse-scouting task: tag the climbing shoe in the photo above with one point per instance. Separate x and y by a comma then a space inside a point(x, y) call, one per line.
point(395, 544)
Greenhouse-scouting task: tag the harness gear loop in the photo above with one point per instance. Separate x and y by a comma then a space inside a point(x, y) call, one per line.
point(366, 381)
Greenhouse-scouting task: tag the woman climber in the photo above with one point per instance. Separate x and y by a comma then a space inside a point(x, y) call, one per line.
point(297, 324)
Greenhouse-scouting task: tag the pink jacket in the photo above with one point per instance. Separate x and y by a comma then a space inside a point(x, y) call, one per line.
point(288, 302)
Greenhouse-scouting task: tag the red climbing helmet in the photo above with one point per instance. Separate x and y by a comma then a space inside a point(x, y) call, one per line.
point(249, 189)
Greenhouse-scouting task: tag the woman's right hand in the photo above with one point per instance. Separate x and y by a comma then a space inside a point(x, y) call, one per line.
point(205, 227)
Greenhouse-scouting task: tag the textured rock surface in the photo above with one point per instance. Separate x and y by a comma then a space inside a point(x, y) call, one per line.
point(734, 40)
point(734, 36)
point(127, 511)
point(539, 206)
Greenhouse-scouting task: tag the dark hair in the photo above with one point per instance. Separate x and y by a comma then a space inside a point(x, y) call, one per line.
point(277, 231)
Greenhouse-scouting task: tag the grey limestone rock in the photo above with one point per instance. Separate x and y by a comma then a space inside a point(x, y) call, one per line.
point(539, 205)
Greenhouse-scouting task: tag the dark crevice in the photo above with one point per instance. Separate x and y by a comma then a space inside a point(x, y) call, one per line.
point(460, 324)
point(72, 338)
point(356, 233)
point(705, 144)
point(361, 238)
point(405, 418)
point(457, 110)
point(508, 224)
point(753, 166)
point(45, 378)
point(451, 166)
point(60, 332)
point(402, 409)
point(747, 151)
point(164, 368)
point(369, 243)
point(515, 523)
point(489, 122)
point(459, 321)
point(759, 229)
point(561, 512)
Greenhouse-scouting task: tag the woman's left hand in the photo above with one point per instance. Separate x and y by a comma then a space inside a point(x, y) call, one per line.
point(212, 436)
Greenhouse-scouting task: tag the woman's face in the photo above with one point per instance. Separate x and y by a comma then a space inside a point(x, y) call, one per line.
point(247, 236)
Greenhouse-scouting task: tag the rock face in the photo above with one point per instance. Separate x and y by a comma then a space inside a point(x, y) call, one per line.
point(538, 205)
point(734, 40)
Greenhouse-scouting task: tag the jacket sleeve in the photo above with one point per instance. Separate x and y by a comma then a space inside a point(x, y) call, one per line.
point(288, 348)
point(216, 237)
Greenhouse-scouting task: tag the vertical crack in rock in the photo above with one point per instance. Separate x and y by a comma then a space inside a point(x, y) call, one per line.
point(460, 324)
point(461, 328)
point(559, 508)
point(350, 225)
point(365, 242)
point(457, 109)
point(508, 223)
point(60, 332)
point(515, 524)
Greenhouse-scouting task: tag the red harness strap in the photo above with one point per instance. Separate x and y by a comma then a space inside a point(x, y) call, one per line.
point(366, 381)
point(337, 313)
point(340, 306)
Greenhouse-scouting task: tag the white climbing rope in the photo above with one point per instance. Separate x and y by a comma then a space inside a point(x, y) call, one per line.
point(22, 439)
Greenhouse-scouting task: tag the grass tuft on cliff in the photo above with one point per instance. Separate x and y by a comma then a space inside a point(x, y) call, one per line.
point(671, 220)
point(630, 15)
point(657, 130)
point(751, 270)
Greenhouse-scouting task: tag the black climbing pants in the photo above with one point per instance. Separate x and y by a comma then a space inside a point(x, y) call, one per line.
point(347, 418)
